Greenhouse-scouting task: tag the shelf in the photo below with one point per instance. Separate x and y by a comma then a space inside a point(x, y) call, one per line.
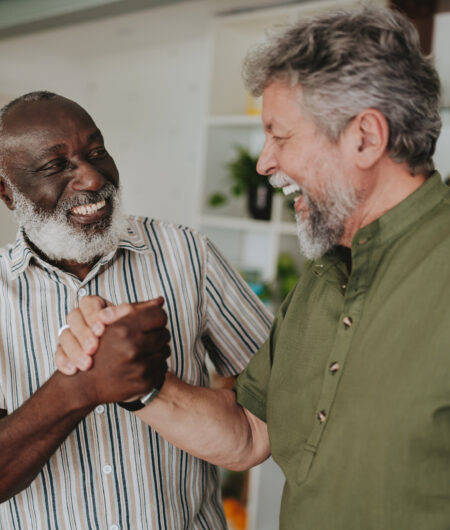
point(234, 223)
point(244, 224)
point(243, 120)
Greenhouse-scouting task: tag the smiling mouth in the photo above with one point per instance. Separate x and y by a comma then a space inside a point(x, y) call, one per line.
point(291, 189)
point(88, 209)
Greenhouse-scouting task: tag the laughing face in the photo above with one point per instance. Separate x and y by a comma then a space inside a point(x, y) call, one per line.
point(305, 163)
point(63, 183)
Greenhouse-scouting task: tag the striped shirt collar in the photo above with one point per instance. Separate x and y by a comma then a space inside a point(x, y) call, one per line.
point(21, 253)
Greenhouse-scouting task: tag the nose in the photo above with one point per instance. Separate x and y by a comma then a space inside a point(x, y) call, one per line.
point(87, 177)
point(267, 164)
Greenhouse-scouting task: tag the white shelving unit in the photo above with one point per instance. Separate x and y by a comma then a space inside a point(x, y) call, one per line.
point(249, 245)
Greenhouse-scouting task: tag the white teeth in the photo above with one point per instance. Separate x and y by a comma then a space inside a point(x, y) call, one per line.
point(88, 209)
point(292, 188)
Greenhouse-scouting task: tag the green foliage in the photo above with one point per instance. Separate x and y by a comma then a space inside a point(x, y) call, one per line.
point(243, 176)
point(242, 171)
point(216, 199)
point(287, 274)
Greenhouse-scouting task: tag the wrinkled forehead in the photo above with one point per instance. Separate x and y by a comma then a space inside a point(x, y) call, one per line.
point(46, 116)
point(33, 125)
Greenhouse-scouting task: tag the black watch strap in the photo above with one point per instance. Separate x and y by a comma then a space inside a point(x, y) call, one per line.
point(131, 405)
point(140, 403)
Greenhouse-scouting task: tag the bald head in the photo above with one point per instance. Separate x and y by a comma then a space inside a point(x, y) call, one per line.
point(28, 112)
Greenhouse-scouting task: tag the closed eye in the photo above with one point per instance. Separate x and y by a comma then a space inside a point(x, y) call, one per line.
point(54, 165)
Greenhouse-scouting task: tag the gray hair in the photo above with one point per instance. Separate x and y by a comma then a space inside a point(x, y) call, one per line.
point(351, 60)
point(37, 95)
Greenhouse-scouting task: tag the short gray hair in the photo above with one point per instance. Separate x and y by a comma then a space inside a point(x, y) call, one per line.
point(350, 60)
point(37, 95)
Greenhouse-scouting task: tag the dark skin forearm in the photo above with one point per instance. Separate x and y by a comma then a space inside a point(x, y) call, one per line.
point(33, 432)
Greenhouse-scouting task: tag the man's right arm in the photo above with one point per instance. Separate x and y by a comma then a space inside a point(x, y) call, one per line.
point(209, 424)
point(206, 423)
point(130, 353)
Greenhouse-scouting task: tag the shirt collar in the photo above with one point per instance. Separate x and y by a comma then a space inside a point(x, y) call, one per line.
point(404, 215)
point(393, 223)
point(21, 253)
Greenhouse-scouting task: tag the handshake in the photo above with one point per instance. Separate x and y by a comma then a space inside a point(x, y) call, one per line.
point(116, 353)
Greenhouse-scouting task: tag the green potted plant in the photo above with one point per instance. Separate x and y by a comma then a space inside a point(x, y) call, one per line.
point(245, 179)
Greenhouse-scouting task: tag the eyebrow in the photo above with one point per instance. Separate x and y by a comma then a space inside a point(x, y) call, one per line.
point(96, 135)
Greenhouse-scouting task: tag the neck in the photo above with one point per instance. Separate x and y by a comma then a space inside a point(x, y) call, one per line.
point(80, 270)
point(384, 187)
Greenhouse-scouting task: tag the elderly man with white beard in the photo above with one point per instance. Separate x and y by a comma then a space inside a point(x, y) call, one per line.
point(351, 392)
point(71, 457)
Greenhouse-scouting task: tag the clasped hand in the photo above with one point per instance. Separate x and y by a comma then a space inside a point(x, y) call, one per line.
point(117, 352)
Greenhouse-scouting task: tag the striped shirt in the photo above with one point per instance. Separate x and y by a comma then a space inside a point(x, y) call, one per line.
point(113, 471)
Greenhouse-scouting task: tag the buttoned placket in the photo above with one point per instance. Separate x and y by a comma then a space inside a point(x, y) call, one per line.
point(353, 292)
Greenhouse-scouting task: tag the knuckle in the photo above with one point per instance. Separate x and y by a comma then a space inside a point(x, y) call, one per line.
point(126, 308)
point(91, 302)
point(121, 331)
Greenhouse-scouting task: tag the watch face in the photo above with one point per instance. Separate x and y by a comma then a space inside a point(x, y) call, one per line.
point(145, 400)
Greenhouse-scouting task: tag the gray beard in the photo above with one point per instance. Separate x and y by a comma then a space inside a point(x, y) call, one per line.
point(56, 237)
point(324, 225)
point(325, 221)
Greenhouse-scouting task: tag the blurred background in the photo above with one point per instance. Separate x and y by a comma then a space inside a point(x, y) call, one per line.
point(162, 81)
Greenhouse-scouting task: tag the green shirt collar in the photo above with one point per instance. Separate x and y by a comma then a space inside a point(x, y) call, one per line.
point(393, 223)
point(404, 215)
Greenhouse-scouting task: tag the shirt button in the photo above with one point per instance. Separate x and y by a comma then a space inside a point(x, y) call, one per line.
point(107, 469)
point(100, 409)
point(114, 527)
point(334, 367)
point(322, 416)
point(82, 292)
point(347, 321)
point(344, 286)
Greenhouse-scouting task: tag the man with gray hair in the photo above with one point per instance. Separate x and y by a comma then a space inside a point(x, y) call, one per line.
point(351, 392)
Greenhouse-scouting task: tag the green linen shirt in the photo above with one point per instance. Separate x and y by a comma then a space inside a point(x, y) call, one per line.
point(354, 381)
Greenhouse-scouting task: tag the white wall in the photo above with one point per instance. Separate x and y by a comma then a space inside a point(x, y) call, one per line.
point(144, 79)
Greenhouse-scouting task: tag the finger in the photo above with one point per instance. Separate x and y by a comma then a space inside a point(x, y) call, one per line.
point(113, 313)
point(81, 331)
point(90, 307)
point(157, 339)
point(146, 317)
point(74, 352)
point(63, 363)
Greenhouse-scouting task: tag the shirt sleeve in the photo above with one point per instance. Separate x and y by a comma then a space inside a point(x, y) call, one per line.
point(252, 385)
point(2, 400)
point(236, 323)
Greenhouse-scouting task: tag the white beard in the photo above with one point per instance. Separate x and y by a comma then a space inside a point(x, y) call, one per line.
point(55, 236)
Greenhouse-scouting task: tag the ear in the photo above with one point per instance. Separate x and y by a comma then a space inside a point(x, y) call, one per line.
point(370, 136)
point(6, 193)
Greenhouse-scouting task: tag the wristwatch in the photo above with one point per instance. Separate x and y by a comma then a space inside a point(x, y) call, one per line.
point(140, 403)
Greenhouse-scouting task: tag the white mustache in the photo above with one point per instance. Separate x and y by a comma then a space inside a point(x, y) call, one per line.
point(280, 179)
